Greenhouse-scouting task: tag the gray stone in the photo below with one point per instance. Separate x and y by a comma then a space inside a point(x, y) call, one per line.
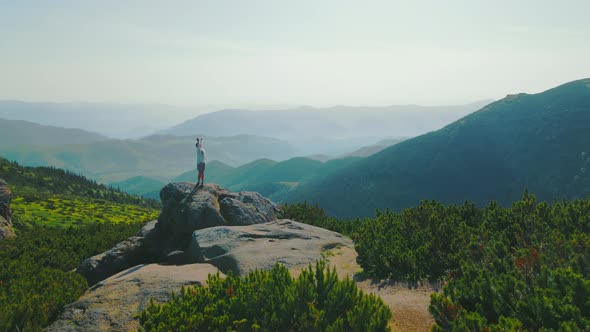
point(182, 214)
point(248, 208)
point(125, 254)
point(113, 304)
point(240, 249)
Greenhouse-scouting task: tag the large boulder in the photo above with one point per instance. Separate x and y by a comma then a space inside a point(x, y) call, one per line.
point(131, 252)
point(113, 304)
point(247, 208)
point(210, 206)
point(240, 249)
point(181, 214)
point(6, 230)
point(184, 211)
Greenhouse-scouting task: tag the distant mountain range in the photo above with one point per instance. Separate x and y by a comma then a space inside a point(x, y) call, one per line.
point(109, 119)
point(156, 157)
point(142, 166)
point(332, 131)
point(17, 133)
point(270, 178)
point(539, 142)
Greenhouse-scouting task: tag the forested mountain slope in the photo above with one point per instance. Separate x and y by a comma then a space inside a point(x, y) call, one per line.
point(537, 141)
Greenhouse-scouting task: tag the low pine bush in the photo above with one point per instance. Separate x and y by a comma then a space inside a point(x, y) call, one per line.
point(271, 301)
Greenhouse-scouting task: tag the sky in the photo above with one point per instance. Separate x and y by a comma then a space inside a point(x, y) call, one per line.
point(305, 52)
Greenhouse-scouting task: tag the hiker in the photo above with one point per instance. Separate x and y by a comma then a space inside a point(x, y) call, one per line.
point(201, 160)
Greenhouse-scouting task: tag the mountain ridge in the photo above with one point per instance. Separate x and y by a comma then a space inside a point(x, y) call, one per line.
point(493, 154)
point(21, 132)
point(133, 120)
point(331, 131)
point(272, 179)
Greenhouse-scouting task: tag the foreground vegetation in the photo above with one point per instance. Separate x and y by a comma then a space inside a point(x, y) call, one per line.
point(271, 301)
point(35, 268)
point(35, 277)
point(524, 267)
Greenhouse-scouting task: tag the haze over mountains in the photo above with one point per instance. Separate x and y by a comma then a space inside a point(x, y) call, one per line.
point(332, 131)
point(109, 119)
point(21, 133)
point(159, 157)
point(540, 142)
point(232, 137)
point(142, 166)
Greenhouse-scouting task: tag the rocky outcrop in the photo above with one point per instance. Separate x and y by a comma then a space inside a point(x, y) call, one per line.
point(166, 240)
point(209, 207)
point(6, 230)
point(197, 233)
point(239, 249)
point(112, 304)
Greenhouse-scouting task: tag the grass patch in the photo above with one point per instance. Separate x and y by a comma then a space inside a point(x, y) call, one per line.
point(65, 210)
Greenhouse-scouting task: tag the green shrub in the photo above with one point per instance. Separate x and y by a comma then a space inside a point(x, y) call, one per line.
point(35, 268)
point(523, 267)
point(316, 216)
point(35, 277)
point(271, 301)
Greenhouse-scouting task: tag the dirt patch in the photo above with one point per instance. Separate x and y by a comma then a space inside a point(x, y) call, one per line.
point(409, 305)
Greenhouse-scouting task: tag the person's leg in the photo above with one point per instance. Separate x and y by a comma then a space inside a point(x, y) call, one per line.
point(203, 174)
point(201, 170)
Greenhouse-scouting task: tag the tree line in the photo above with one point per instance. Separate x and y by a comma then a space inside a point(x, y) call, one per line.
point(37, 181)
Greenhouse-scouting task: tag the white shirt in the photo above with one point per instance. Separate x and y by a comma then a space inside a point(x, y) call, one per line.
point(201, 158)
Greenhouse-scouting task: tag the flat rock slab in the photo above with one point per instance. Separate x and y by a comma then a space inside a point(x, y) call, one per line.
point(240, 249)
point(111, 305)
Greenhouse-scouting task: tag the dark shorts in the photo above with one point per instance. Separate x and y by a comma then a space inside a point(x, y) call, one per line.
point(201, 167)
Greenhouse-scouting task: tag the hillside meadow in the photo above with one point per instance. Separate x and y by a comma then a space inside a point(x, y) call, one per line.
point(60, 219)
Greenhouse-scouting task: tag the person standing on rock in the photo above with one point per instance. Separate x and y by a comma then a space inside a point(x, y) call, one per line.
point(201, 160)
